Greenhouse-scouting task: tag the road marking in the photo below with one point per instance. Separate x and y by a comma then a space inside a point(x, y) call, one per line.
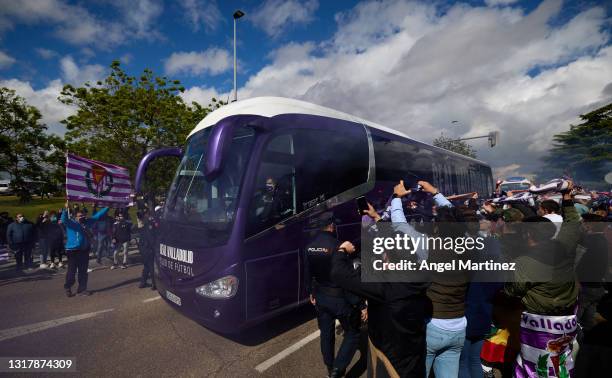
point(151, 299)
point(10, 333)
point(284, 353)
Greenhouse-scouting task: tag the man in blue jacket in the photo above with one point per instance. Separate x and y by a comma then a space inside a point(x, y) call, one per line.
point(20, 239)
point(78, 244)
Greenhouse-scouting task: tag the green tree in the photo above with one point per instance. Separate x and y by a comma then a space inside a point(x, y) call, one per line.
point(584, 151)
point(458, 146)
point(121, 118)
point(24, 143)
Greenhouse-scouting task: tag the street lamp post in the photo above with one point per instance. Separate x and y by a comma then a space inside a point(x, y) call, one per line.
point(237, 15)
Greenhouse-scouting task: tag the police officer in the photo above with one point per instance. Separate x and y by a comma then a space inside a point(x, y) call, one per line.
point(330, 300)
point(147, 244)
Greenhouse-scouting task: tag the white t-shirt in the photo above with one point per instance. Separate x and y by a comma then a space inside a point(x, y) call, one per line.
point(454, 324)
point(557, 220)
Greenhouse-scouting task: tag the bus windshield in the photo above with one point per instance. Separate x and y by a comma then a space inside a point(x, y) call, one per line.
point(193, 199)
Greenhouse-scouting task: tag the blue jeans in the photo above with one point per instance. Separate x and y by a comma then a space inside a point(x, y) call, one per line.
point(469, 365)
point(101, 247)
point(443, 351)
point(329, 309)
point(124, 248)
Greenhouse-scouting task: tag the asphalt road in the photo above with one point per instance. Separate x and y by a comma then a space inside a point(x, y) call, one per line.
point(122, 330)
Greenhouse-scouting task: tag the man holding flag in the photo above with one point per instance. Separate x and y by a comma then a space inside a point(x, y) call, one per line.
point(89, 181)
point(78, 244)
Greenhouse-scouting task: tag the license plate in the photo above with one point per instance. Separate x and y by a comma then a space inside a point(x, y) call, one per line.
point(173, 298)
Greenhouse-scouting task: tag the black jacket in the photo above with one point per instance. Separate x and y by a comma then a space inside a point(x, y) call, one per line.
point(44, 229)
point(318, 261)
point(55, 235)
point(396, 315)
point(147, 243)
point(122, 231)
point(593, 265)
point(20, 233)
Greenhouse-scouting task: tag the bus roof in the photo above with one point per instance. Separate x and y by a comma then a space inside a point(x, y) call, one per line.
point(272, 106)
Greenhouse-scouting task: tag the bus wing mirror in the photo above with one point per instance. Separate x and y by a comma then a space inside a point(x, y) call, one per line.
point(148, 158)
point(221, 139)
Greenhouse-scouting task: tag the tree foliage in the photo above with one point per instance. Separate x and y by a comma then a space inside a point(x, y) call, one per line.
point(121, 118)
point(458, 146)
point(25, 147)
point(584, 152)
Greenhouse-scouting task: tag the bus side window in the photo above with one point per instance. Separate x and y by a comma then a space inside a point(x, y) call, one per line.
point(274, 198)
point(333, 162)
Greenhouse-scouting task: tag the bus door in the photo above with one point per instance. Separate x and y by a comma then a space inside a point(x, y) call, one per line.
point(273, 237)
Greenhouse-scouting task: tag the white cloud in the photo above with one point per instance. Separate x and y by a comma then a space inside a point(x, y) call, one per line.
point(202, 13)
point(139, 16)
point(45, 100)
point(499, 2)
point(6, 60)
point(371, 22)
point(506, 171)
point(45, 53)
point(411, 67)
point(212, 61)
point(76, 25)
point(275, 16)
point(75, 75)
point(87, 53)
point(201, 95)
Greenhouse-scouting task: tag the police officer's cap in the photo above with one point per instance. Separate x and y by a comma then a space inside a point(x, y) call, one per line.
point(324, 220)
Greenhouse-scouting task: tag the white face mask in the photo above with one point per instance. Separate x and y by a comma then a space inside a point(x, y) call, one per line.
point(506, 207)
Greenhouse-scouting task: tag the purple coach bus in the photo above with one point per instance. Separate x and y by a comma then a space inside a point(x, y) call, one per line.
point(252, 176)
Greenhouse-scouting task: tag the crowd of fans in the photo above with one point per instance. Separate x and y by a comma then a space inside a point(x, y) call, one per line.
point(461, 325)
point(529, 325)
point(44, 242)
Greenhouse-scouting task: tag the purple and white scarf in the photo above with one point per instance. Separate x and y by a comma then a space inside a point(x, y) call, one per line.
point(547, 343)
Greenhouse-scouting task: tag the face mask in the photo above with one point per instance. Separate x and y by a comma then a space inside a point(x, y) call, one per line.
point(53, 219)
point(483, 234)
point(20, 219)
point(269, 187)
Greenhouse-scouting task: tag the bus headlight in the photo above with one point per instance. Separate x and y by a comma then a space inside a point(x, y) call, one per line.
point(223, 288)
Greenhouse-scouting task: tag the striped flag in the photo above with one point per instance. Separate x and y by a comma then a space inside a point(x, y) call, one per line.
point(93, 181)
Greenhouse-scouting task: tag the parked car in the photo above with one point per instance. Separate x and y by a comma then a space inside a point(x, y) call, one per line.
point(5, 187)
point(515, 184)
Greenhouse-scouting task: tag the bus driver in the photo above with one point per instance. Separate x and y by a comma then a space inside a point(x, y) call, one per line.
point(272, 203)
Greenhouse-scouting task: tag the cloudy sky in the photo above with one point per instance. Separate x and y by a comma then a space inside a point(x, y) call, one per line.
point(525, 68)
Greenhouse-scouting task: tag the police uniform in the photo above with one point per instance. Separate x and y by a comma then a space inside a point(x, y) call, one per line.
point(332, 302)
point(147, 247)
